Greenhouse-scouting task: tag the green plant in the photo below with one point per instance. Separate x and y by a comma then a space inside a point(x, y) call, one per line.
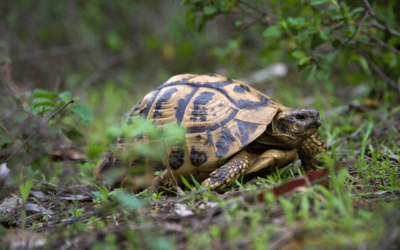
point(24, 189)
point(46, 101)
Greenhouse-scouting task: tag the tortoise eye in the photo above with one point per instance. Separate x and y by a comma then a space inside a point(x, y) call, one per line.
point(300, 117)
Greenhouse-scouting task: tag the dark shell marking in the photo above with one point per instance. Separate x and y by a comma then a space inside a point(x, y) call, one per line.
point(176, 159)
point(241, 88)
point(197, 157)
point(224, 143)
point(182, 104)
point(245, 129)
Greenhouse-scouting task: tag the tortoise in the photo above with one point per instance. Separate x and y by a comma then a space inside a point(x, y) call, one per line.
point(232, 129)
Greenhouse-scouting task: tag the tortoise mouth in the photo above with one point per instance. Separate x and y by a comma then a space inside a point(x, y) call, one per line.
point(316, 124)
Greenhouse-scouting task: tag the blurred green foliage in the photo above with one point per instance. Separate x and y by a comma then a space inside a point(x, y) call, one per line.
point(341, 40)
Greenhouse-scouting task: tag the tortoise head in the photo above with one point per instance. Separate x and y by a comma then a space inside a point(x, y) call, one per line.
point(291, 127)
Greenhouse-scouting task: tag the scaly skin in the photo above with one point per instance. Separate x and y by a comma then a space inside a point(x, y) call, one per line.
point(221, 178)
point(309, 149)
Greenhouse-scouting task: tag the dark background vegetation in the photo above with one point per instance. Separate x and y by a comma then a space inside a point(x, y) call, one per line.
point(340, 57)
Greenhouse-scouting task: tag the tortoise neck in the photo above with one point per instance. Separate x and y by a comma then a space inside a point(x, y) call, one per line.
point(272, 136)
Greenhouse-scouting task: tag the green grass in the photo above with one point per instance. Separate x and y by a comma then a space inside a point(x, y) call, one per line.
point(358, 207)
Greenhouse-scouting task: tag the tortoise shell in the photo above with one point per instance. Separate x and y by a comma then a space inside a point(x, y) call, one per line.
point(221, 115)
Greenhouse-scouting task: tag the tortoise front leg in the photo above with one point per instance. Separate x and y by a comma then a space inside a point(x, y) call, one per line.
point(309, 149)
point(245, 162)
point(221, 178)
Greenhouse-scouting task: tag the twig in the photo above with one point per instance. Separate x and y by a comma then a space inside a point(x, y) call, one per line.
point(369, 9)
point(391, 241)
point(263, 12)
point(58, 81)
point(377, 70)
point(102, 66)
point(55, 51)
point(375, 21)
point(58, 111)
point(36, 130)
point(382, 44)
point(5, 74)
point(246, 25)
point(386, 29)
point(366, 43)
point(357, 28)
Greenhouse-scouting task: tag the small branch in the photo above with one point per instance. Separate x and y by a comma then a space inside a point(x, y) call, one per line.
point(369, 9)
point(263, 12)
point(36, 130)
point(102, 66)
point(377, 70)
point(246, 25)
point(58, 111)
point(386, 29)
point(5, 74)
point(55, 51)
point(382, 44)
point(368, 43)
point(357, 28)
point(375, 21)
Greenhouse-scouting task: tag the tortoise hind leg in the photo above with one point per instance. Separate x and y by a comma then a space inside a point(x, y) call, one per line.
point(309, 149)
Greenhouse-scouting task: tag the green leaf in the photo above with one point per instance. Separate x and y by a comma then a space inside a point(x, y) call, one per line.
point(5, 139)
point(65, 96)
point(3, 127)
point(204, 19)
point(139, 126)
point(299, 54)
point(190, 19)
point(84, 113)
point(73, 134)
point(325, 34)
point(316, 2)
point(298, 21)
point(73, 79)
point(356, 10)
point(42, 102)
point(272, 31)
point(337, 17)
point(282, 22)
point(174, 134)
point(316, 41)
point(128, 200)
point(321, 74)
point(304, 60)
point(390, 59)
point(4, 59)
point(41, 109)
point(208, 10)
point(44, 94)
point(305, 74)
point(185, 182)
point(114, 40)
point(95, 150)
point(160, 243)
point(362, 61)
